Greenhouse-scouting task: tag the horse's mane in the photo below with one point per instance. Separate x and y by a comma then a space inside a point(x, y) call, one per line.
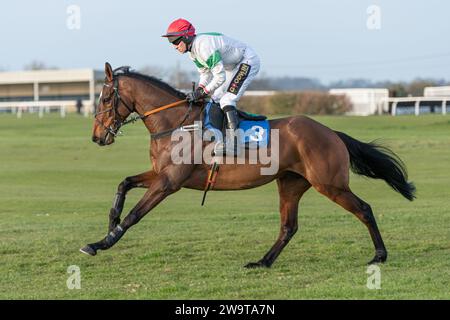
point(125, 70)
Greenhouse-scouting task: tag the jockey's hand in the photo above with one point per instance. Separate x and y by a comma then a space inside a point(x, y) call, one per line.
point(196, 95)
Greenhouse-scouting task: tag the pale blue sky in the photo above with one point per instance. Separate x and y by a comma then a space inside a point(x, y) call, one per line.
point(323, 39)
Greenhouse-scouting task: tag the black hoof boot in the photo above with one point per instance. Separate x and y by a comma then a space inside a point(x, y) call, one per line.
point(89, 250)
point(113, 224)
point(114, 219)
point(380, 257)
point(259, 264)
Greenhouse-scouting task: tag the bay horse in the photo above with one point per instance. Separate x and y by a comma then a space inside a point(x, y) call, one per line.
point(311, 155)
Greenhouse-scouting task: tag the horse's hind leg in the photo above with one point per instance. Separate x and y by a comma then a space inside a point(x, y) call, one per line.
point(291, 187)
point(142, 180)
point(362, 210)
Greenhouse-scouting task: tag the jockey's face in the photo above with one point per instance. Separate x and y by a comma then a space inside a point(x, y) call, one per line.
point(181, 47)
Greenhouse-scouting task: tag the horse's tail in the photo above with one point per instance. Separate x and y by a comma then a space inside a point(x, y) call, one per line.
point(376, 161)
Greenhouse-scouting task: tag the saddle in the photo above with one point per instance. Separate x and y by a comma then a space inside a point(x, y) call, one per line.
point(255, 127)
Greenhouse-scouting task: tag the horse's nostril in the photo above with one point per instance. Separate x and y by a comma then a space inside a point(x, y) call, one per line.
point(94, 139)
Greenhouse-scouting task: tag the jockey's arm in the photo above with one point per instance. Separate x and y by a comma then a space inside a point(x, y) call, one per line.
point(205, 77)
point(218, 78)
point(212, 71)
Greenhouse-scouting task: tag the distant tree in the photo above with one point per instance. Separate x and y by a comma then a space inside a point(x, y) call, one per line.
point(353, 83)
point(182, 79)
point(154, 71)
point(261, 82)
point(38, 65)
point(397, 89)
point(176, 77)
point(416, 87)
point(297, 83)
point(304, 102)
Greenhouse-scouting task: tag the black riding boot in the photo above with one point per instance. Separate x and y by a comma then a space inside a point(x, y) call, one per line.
point(232, 117)
point(228, 147)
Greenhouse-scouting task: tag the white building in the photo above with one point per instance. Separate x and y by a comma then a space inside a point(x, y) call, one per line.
point(50, 88)
point(366, 101)
point(437, 91)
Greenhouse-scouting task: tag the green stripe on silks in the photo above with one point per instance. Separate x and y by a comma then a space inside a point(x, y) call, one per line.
point(213, 59)
point(210, 34)
point(198, 64)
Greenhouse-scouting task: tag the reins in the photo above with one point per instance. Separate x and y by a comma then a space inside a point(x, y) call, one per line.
point(167, 106)
point(162, 108)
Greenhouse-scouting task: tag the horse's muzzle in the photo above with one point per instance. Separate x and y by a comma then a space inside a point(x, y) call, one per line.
point(98, 141)
point(107, 140)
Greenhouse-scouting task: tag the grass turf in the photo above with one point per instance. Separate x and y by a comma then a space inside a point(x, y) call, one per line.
point(56, 189)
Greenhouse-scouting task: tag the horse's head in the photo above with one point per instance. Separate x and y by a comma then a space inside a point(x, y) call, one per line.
point(112, 110)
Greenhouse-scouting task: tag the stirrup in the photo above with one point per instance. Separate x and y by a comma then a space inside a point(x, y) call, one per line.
point(222, 148)
point(219, 149)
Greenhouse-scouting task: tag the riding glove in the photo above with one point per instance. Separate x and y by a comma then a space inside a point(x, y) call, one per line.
point(196, 95)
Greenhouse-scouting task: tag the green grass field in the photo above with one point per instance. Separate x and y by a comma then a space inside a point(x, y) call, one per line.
point(56, 189)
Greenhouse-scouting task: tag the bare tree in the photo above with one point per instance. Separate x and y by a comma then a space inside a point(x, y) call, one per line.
point(38, 65)
point(182, 79)
point(417, 86)
point(154, 71)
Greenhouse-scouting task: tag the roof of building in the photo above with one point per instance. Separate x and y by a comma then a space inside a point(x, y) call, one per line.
point(68, 75)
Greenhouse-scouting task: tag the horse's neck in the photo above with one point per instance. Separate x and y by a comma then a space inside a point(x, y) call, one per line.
point(166, 119)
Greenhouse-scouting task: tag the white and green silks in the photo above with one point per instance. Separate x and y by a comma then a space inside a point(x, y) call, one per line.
point(219, 61)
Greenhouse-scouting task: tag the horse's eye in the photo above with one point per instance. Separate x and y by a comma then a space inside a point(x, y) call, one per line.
point(106, 100)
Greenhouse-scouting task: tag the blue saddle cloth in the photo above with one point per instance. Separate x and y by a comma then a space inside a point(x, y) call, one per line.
point(256, 133)
point(254, 129)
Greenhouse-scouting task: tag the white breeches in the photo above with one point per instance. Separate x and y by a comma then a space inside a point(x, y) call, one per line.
point(237, 80)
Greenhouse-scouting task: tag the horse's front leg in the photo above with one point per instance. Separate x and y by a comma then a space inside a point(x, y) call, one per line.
point(142, 180)
point(163, 184)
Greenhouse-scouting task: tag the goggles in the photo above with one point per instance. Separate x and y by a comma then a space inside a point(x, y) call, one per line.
point(175, 40)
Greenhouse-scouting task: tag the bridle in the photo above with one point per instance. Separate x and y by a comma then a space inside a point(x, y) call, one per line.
point(119, 122)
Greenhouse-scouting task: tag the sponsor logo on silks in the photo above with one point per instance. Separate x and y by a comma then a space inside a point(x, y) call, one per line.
point(239, 78)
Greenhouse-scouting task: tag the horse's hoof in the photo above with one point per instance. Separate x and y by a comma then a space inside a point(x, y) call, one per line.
point(253, 265)
point(88, 250)
point(379, 258)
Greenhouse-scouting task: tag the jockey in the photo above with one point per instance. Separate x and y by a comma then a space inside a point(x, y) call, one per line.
point(226, 66)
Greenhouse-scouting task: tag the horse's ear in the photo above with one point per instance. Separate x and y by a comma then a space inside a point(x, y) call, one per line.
point(108, 71)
